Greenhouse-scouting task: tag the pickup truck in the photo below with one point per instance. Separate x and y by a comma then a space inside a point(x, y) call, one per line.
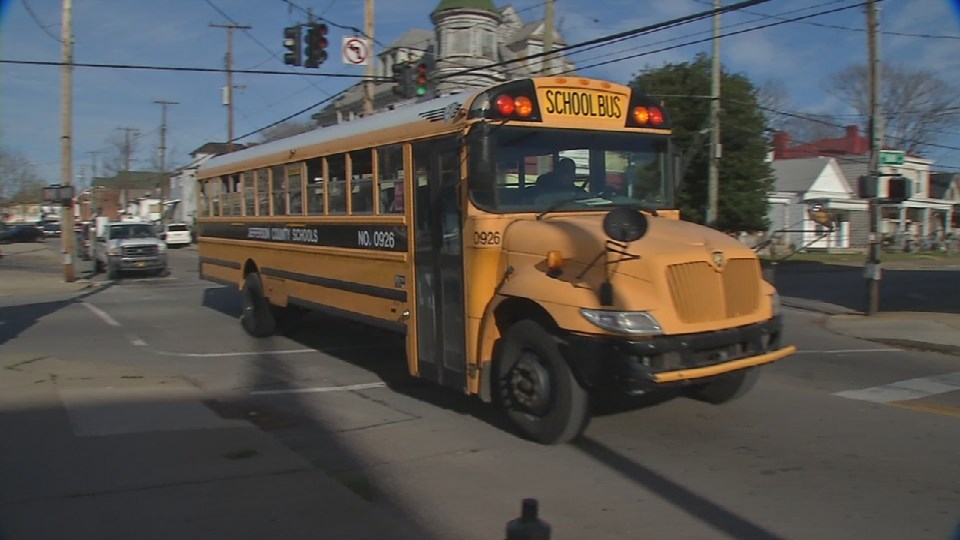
point(130, 247)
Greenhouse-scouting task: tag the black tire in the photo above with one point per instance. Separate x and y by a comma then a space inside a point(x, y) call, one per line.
point(257, 318)
point(537, 388)
point(725, 388)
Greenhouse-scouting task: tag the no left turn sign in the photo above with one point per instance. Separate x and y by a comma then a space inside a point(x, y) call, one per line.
point(356, 51)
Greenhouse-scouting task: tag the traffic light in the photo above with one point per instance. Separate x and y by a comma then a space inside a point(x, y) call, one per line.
point(401, 79)
point(899, 189)
point(315, 52)
point(291, 41)
point(423, 73)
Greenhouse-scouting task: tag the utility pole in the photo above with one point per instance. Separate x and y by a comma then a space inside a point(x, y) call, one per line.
point(127, 146)
point(872, 266)
point(93, 164)
point(228, 93)
point(122, 177)
point(164, 181)
point(713, 181)
point(368, 70)
point(548, 38)
point(66, 139)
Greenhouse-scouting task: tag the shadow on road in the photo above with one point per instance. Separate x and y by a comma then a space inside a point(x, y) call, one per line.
point(900, 290)
point(16, 319)
point(697, 506)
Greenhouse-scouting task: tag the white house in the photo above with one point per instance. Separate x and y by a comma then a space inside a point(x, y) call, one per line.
point(801, 183)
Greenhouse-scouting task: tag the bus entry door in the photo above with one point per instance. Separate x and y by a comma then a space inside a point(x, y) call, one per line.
point(438, 260)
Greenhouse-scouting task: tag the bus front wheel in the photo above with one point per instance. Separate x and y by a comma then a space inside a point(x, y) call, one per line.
point(257, 318)
point(537, 388)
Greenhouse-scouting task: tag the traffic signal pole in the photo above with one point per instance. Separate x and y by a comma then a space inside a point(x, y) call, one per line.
point(229, 64)
point(872, 267)
point(368, 69)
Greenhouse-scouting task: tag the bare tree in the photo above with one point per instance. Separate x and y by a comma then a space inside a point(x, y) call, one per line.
point(123, 148)
point(812, 127)
point(19, 180)
point(773, 100)
point(285, 129)
point(915, 103)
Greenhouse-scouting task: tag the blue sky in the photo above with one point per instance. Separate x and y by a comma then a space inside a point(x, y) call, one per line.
point(177, 33)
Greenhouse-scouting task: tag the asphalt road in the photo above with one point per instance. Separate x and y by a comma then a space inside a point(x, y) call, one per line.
point(806, 455)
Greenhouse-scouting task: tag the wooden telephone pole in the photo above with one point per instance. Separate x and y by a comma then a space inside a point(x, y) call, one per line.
point(713, 180)
point(66, 140)
point(872, 268)
point(164, 181)
point(228, 93)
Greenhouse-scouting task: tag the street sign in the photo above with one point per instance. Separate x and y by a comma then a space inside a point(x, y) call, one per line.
point(892, 157)
point(356, 51)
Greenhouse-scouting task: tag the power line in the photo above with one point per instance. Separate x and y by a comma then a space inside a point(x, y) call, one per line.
point(258, 42)
point(616, 37)
point(298, 113)
point(36, 19)
point(838, 27)
point(331, 23)
point(704, 32)
point(727, 34)
point(192, 69)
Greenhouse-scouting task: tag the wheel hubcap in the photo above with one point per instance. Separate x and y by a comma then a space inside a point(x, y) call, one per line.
point(530, 384)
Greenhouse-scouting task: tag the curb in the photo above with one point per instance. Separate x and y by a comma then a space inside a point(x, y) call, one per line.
point(817, 306)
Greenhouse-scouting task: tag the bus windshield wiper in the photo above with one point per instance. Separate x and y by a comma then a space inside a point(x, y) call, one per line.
point(582, 198)
point(598, 201)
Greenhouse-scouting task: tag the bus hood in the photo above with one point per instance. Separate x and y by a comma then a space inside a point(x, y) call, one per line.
point(580, 240)
point(692, 277)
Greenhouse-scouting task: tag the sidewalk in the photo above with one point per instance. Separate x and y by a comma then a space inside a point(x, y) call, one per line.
point(31, 269)
point(94, 450)
point(929, 331)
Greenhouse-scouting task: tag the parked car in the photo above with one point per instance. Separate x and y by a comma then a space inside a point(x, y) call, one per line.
point(176, 235)
point(20, 233)
point(51, 229)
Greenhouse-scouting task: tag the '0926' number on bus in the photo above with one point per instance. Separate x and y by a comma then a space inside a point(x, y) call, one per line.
point(486, 238)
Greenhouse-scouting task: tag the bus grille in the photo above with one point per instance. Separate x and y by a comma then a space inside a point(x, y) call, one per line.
point(139, 251)
point(701, 294)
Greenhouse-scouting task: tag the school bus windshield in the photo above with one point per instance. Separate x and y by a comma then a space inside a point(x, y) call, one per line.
point(534, 169)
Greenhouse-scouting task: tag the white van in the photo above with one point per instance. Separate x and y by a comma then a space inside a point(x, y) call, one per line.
point(176, 235)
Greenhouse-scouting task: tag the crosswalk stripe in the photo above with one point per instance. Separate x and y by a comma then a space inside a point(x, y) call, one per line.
point(906, 390)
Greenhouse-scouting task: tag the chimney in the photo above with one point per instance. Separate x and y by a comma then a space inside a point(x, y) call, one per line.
point(855, 144)
point(781, 141)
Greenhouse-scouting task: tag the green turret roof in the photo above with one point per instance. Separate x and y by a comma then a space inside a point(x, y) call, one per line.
point(482, 5)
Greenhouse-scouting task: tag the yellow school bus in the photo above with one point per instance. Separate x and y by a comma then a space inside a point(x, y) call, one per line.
point(522, 237)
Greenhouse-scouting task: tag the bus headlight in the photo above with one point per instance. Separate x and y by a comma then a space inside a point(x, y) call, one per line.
point(638, 323)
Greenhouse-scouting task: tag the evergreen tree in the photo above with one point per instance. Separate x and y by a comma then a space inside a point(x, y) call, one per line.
point(745, 176)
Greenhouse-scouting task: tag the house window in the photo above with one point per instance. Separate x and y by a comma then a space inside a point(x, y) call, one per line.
point(459, 42)
point(488, 44)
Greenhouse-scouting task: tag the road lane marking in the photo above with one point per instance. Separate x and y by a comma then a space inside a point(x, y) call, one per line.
point(102, 314)
point(906, 390)
point(919, 406)
point(849, 351)
point(319, 389)
point(137, 341)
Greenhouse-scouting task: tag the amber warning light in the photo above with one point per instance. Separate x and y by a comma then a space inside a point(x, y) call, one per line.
point(522, 106)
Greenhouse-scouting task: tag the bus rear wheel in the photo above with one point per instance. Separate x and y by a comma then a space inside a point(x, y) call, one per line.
point(257, 318)
point(727, 387)
point(537, 388)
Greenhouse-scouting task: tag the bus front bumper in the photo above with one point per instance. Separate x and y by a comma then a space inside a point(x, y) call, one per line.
point(638, 366)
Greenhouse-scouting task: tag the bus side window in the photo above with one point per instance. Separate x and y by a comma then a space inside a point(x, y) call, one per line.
point(248, 194)
point(361, 185)
point(337, 184)
point(203, 206)
point(278, 181)
point(391, 179)
point(295, 188)
point(314, 195)
point(263, 192)
point(216, 187)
